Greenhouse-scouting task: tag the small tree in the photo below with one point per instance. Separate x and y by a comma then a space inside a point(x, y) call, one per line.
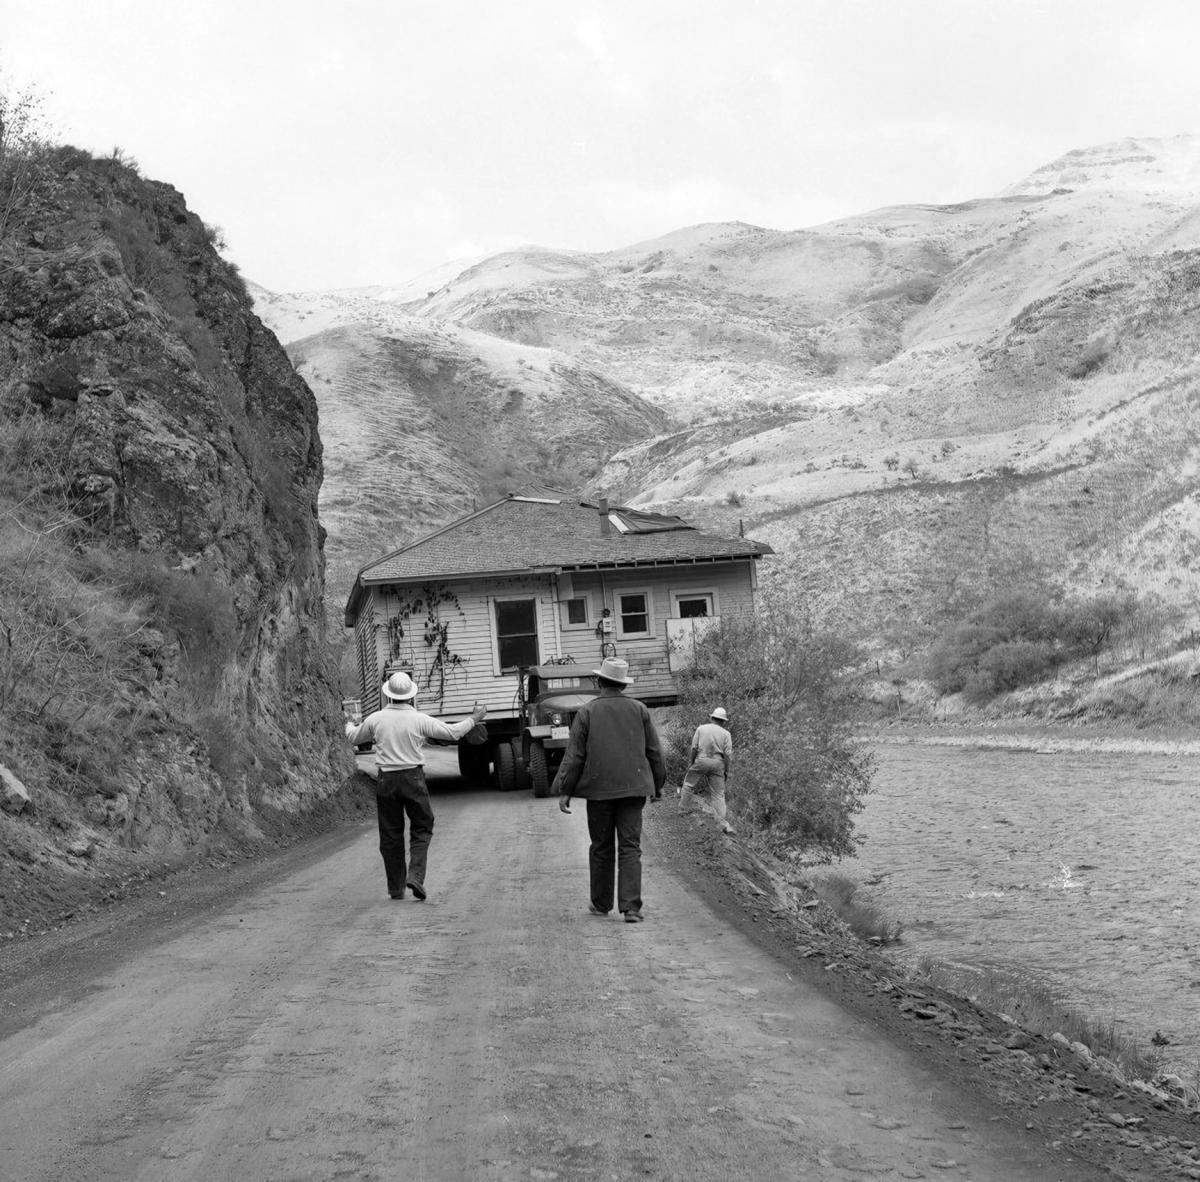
point(912, 467)
point(799, 776)
point(22, 153)
point(1089, 625)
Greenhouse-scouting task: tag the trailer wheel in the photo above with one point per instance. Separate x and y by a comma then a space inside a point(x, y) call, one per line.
point(538, 774)
point(506, 767)
point(520, 771)
point(473, 762)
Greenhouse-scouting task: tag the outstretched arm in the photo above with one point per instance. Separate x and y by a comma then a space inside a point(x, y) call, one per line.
point(358, 731)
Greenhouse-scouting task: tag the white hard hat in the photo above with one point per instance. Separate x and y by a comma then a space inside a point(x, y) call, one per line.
point(400, 687)
point(719, 714)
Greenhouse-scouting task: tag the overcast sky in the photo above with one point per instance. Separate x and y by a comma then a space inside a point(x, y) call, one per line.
point(352, 142)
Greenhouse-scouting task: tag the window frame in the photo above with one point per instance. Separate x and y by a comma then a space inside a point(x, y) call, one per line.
point(588, 624)
point(709, 593)
point(494, 621)
point(619, 615)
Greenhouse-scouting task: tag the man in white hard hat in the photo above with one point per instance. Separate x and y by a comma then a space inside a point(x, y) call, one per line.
point(400, 732)
point(711, 759)
point(613, 760)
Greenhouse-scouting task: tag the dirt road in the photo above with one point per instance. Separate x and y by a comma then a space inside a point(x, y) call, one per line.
point(315, 1029)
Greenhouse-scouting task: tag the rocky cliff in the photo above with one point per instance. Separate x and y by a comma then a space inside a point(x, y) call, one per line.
point(164, 677)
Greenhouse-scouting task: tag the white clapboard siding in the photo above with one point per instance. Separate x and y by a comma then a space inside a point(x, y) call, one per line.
point(470, 635)
point(730, 584)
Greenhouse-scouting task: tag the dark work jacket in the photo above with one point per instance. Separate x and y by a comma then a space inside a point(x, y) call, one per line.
point(613, 751)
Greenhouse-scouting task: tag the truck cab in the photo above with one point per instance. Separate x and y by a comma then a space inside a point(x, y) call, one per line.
point(553, 696)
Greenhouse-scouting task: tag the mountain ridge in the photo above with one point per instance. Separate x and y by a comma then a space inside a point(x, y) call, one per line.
point(936, 357)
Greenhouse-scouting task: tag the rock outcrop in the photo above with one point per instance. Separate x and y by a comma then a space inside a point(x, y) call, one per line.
point(165, 677)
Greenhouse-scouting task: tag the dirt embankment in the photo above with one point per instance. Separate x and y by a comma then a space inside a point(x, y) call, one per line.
point(42, 895)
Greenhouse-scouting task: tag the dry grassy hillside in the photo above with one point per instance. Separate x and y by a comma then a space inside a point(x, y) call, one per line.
point(423, 421)
point(917, 406)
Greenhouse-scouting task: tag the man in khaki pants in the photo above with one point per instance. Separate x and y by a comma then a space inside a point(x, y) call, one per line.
point(712, 757)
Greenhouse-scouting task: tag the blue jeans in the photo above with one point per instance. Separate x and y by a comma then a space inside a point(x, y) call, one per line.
point(399, 794)
point(615, 827)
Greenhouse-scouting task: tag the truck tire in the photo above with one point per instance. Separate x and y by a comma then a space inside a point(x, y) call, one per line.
point(520, 771)
point(473, 763)
point(538, 773)
point(506, 767)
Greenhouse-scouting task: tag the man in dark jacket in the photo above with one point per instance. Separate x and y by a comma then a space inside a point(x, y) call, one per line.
point(613, 760)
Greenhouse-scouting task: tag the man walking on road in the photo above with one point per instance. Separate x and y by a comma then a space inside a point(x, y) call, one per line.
point(613, 761)
point(711, 757)
point(400, 732)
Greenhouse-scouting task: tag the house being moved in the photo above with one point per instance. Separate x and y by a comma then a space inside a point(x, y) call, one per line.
point(535, 581)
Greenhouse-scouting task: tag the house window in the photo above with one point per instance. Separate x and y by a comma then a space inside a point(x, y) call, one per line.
point(516, 632)
point(577, 611)
point(633, 613)
point(692, 605)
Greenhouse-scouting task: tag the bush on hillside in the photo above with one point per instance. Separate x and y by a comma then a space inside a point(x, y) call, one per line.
point(798, 776)
point(1020, 638)
point(1089, 626)
point(956, 654)
point(1007, 665)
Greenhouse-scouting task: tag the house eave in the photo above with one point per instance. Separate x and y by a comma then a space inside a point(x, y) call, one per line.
point(408, 580)
point(607, 564)
point(365, 581)
point(708, 560)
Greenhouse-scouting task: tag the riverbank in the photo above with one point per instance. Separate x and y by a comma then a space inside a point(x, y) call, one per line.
point(1031, 736)
point(1067, 868)
point(1056, 1093)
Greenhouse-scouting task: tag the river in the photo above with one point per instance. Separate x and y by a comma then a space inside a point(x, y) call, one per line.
point(1075, 868)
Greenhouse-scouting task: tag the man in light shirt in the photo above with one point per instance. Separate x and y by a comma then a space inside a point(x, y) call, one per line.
point(400, 732)
point(711, 756)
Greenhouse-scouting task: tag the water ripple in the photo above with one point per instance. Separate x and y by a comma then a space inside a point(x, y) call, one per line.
point(1078, 868)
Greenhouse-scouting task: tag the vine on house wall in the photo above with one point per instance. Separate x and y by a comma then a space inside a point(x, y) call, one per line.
point(441, 662)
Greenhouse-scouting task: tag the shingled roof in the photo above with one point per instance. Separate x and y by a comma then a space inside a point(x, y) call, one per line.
point(523, 534)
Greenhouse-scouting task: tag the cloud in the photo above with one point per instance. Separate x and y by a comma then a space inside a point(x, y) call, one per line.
point(612, 72)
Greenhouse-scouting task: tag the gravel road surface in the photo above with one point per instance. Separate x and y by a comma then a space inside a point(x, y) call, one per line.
point(308, 1027)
